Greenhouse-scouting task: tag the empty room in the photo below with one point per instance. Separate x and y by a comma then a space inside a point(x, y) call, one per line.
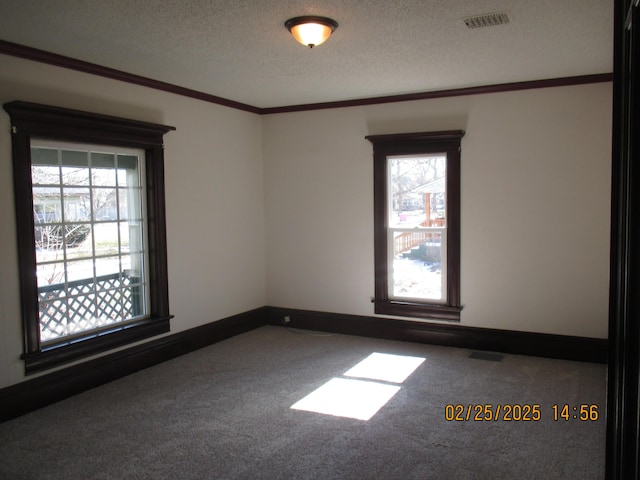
point(388, 250)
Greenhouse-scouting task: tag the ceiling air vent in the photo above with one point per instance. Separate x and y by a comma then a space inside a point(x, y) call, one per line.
point(486, 20)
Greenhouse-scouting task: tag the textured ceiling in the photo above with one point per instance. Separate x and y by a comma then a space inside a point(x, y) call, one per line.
point(240, 50)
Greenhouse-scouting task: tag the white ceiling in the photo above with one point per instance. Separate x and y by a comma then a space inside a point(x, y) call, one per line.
point(241, 51)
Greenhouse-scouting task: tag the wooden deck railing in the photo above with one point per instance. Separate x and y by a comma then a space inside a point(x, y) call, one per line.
point(408, 240)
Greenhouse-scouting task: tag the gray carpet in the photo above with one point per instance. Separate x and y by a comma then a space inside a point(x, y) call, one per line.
point(223, 412)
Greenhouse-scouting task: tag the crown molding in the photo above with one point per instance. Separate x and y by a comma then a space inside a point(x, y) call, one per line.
point(29, 53)
point(454, 92)
point(49, 58)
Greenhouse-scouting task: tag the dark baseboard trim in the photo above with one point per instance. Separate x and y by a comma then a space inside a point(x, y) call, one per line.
point(505, 341)
point(38, 392)
point(32, 394)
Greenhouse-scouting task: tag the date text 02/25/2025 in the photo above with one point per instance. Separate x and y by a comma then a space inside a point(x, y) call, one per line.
point(516, 412)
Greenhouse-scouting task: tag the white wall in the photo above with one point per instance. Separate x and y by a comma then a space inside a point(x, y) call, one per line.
point(535, 202)
point(214, 194)
point(535, 206)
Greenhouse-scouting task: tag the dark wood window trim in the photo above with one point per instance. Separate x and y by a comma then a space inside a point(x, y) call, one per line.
point(407, 144)
point(32, 120)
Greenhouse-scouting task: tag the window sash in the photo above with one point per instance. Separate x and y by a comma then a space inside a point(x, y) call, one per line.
point(72, 308)
point(391, 257)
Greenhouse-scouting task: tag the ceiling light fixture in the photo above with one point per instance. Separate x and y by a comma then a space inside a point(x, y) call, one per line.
point(311, 31)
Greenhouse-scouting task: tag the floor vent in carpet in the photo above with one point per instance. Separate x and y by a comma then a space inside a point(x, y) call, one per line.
point(491, 357)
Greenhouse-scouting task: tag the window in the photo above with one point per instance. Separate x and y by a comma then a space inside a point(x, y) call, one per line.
point(417, 224)
point(91, 231)
point(91, 253)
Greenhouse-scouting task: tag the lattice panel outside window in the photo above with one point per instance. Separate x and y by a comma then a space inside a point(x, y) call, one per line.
point(85, 305)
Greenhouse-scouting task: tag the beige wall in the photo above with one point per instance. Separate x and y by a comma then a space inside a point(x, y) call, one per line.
point(214, 193)
point(277, 210)
point(535, 206)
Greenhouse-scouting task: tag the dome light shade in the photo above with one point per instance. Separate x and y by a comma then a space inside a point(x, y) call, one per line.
point(311, 31)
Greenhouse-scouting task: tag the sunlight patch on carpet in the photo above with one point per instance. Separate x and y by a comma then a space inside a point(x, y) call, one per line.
point(342, 397)
point(361, 399)
point(386, 367)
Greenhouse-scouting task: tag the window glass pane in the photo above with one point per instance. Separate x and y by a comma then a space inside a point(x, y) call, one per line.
point(128, 171)
point(136, 241)
point(124, 237)
point(122, 177)
point(418, 266)
point(417, 191)
point(50, 274)
point(127, 162)
point(107, 266)
point(76, 204)
point(79, 241)
point(75, 235)
point(133, 266)
point(137, 300)
point(106, 238)
point(113, 305)
point(44, 156)
point(103, 169)
point(75, 169)
point(105, 204)
point(136, 289)
point(130, 204)
point(52, 306)
point(47, 207)
point(81, 313)
point(45, 175)
point(130, 194)
point(80, 270)
point(123, 210)
point(43, 253)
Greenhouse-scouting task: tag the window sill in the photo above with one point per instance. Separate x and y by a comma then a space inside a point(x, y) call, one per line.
point(65, 352)
point(418, 310)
